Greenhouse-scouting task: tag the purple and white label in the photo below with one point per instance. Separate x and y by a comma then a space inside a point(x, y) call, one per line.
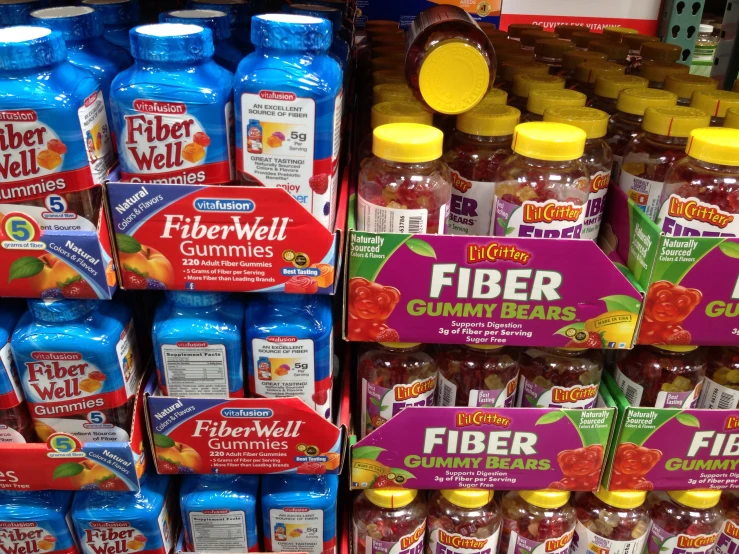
point(412, 543)
point(472, 206)
point(441, 542)
point(532, 394)
point(587, 542)
point(662, 542)
point(446, 395)
point(522, 545)
point(728, 539)
point(596, 204)
point(379, 404)
point(550, 219)
point(717, 397)
point(691, 217)
point(687, 399)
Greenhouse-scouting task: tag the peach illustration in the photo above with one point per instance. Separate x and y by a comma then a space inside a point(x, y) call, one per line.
point(54, 275)
point(150, 263)
point(110, 274)
point(181, 455)
point(91, 473)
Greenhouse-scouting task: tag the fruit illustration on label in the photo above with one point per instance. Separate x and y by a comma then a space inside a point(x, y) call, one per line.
point(370, 305)
point(630, 464)
point(319, 183)
point(580, 468)
point(84, 475)
point(175, 457)
point(50, 278)
point(143, 267)
point(666, 306)
point(366, 471)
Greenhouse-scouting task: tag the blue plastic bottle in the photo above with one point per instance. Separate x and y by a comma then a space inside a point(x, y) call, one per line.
point(119, 17)
point(16, 12)
point(82, 29)
point(227, 54)
point(239, 12)
point(290, 348)
point(78, 364)
point(198, 343)
point(299, 513)
point(293, 87)
point(36, 522)
point(172, 111)
point(219, 513)
point(15, 421)
point(125, 523)
point(48, 108)
point(339, 46)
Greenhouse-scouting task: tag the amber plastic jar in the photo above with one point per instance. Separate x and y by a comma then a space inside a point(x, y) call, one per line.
point(721, 386)
point(616, 52)
point(393, 376)
point(616, 521)
point(531, 37)
point(408, 111)
point(544, 174)
point(551, 52)
point(515, 29)
point(384, 516)
point(685, 85)
point(588, 72)
point(477, 375)
point(540, 100)
point(524, 83)
point(660, 51)
point(462, 516)
point(656, 72)
point(708, 179)
point(392, 92)
point(608, 86)
point(661, 376)
point(404, 187)
point(616, 34)
point(582, 40)
point(476, 149)
point(572, 58)
point(626, 122)
point(533, 518)
point(396, 63)
point(597, 158)
point(565, 31)
point(715, 103)
point(512, 67)
point(450, 62)
point(559, 377)
point(652, 152)
point(731, 118)
point(634, 42)
point(684, 521)
point(388, 76)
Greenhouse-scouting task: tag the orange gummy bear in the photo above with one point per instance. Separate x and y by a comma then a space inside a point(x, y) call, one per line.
point(49, 159)
point(274, 142)
point(193, 153)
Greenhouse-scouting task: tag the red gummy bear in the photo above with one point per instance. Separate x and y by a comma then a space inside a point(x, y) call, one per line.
point(371, 301)
point(301, 284)
point(666, 306)
point(630, 464)
point(580, 467)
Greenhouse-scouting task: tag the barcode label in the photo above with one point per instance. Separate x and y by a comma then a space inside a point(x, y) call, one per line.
point(380, 219)
point(632, 391)
point(446, 392)
point(715, 396)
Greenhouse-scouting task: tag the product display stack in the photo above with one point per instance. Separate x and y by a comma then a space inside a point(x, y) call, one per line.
point(262, 260)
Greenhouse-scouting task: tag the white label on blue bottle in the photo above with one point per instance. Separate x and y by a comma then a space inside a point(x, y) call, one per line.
point(296, 530)
point(128, 358)
point(6, 358)
point(285, 368)
point(195, 369)
point(219, 531)
point(96, 130)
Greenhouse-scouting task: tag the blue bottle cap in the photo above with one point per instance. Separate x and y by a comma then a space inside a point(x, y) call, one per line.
point(73, 22)
point(171, 42)
point(15, 12)
point(281, 31)
point(196, 299)
point(324, 12)
point(217, 21)
point(30, 47)
point(238, 10)
point(53, 311)
point(116, 12)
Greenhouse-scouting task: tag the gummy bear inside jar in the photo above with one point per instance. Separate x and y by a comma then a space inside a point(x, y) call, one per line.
point(691, 513)
point(383, 516)
point(550, 518)
point(615, 516)
point(463, 513)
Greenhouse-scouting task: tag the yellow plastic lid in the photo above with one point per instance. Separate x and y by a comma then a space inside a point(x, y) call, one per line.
point(391, 498)
point(553, 142)
point(717, 145)
point(677, 121)
point(530, 37)
point(400, 344)
point(634, 42)
point(565, 31)
point(546, 498)
point(626, 500)
point(468, 498)
point(582, 40)
point(609, 85)
point(616, 33)
point(572, 58)
point(407, 142)
point(391, 92)
point(489, 120)
point(515, 29)
point(614, 50)
point(454, 77)
point(685, 85)
point(510, 68)
point(388, 62)
point(681, 349)
point(541, 99)
point(514, 56)
point(485, 346)
point(524, 83)
point(658, 71)
point(494, 96)
point(731, 119)
point(553, 47)
point(715, 102)
point(400, 112)
point(636, 100)
point(588, 72)
point(593, 122)
point(698, 499)
point(388, 76)
point(660, 51)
